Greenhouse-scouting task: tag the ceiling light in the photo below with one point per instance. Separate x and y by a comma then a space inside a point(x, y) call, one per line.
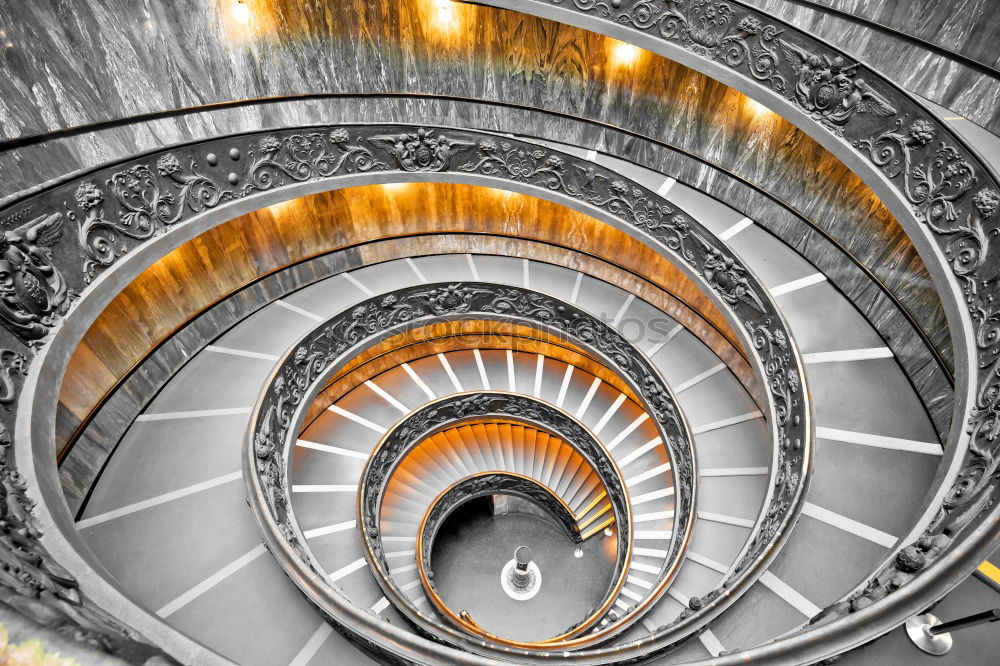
point(241, 11)
point(445, 14)
point(277, 209)
point(756, 108)
point(624, 54)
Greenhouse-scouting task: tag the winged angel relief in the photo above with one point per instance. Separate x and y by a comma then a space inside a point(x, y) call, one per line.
point(829, 90)
point(33, 293)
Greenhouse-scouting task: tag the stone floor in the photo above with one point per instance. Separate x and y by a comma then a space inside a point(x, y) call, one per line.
point(472, 548)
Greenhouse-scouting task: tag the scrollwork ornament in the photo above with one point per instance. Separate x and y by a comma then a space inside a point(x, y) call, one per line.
point(781, 375)
point(278, 160)
point(535, 166)
point(138, 202)
point(938, 180)
point(829, 88)
point(729, 278)
point(523, 164)
point(12, 364)
point(373, 318)
point(935, 176)
point(119, 208)
point(31, 582)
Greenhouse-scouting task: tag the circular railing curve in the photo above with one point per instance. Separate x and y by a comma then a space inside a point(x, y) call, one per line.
point(78, 242)
point(412, 429)
point(939, 189)
point(304, 370)
point(480, 485)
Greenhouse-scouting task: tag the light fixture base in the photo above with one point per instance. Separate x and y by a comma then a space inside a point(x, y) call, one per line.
point(917, 629)
point(519, 592)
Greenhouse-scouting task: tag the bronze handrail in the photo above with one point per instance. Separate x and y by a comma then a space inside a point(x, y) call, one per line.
point(456, 409)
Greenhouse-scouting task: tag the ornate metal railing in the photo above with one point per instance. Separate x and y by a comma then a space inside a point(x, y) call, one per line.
point(319, 354)
point(938, 188)
point(126, 215)
point(934, 181)
point(452, 410)
point(480, 485)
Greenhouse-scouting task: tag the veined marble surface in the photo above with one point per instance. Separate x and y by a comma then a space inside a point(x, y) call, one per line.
point(968, 27)
point(807, 235)
point(81, 62)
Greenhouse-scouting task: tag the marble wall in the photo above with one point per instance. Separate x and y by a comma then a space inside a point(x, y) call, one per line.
point(163, 73)
point(90, 62)
point(965, 27)
point(968, 27)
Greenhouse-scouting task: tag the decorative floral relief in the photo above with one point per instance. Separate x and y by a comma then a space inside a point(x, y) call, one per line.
point(829, 88)
point(333, 341)
point(531, 165)
point(729, 278)
point(131, 205)
point(941, 182)
point(11, 364)
point(826, 86)
point(709, 29)
point(933, 183)
point(143, 202)
point(31, 582)
point(521, 164)
point(937, 179)
point(278, 161)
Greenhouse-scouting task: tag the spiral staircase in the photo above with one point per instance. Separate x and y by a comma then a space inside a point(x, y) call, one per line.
point(512, 331)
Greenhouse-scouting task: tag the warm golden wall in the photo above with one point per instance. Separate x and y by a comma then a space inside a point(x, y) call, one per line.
point(231, 255)
point(197, 56)
point(450, 336)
